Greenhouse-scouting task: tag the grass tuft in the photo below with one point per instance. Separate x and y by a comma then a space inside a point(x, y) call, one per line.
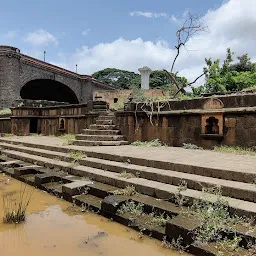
point(236, 150)
point(5, 111)
point(152, 143)
point(191, 146)
point(126, 175)
point(15, 208)
point(132, 208)
point(69, 137)
point(76, 156)
point(128, 191)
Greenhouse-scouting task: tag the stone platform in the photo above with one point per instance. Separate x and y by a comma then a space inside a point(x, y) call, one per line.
point(156, 176)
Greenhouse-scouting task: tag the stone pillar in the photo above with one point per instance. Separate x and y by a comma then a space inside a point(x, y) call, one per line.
point(9, 75)
point(145, 72)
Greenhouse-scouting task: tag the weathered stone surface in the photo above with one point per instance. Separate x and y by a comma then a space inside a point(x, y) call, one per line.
point(76, 187)
point(110, 204)
point(183, 226)
point(16, 70)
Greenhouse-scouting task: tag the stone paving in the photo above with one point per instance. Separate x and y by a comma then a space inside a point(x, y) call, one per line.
point(202, 158)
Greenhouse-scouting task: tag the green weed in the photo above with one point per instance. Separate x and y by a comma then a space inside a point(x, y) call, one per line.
point(126, 175)
point(15, 208)
point(191, 146)
point(152, 143)
point(128, 191)
point(236, 150)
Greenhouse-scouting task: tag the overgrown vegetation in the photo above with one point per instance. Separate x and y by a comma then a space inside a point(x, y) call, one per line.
point(179, 198)
point(175, 244)
point(191, 146)
point(126, 175)
point(214, 217)
point(69, 137)
point(157, 219)
point(5, 111)
point(15, 208)
point(127, 191)
point(152, 143)
point(236, 150)
point(229, 246)
point(76, 156)
point(135, 210)
point(132, 208)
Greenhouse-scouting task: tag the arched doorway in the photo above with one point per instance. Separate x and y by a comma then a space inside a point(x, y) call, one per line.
point(46, 89)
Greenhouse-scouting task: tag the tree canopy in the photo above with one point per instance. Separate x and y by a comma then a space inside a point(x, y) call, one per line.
point(229, 76)
point(120, 79)
point(123, 79)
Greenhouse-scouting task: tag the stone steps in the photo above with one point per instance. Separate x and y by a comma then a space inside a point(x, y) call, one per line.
point(100, 132)
point(108, 117)
point(240, 175)
point(104, 122)
point(98, 196)
point(102, 127)
point(103, 133)
point(100, 137)
point(142, 185)
point(99, 143)
point(239, 190)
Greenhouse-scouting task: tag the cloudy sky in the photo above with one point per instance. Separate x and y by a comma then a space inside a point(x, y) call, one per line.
point(126, 34)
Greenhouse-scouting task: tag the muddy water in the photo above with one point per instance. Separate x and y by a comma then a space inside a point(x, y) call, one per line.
point(55, 227)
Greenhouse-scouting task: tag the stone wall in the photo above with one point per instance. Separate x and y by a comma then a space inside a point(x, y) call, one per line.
point(55, 120)
point(5, 124)
point(119, 97)
point(186, 121)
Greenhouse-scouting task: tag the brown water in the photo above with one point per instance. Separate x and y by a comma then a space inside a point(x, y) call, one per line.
point(54, 227)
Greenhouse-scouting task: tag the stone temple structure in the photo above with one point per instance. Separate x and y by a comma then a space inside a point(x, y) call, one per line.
point(24, 77)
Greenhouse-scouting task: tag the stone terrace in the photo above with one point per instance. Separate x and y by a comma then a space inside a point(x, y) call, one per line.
point(157, 175)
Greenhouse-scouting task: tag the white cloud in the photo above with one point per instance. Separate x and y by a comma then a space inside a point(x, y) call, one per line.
point(148, 14)
point(231, 25)
point(123, 54)
point(86, 32)
point(41, 37)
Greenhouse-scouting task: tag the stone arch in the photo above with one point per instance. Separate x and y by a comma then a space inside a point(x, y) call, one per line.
point(48, 89)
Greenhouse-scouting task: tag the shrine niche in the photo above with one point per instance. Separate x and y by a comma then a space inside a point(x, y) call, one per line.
point(62, 125)
point(212, 118)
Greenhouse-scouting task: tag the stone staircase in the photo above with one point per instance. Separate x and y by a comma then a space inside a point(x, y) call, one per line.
point(51, 167)
point(103, 133)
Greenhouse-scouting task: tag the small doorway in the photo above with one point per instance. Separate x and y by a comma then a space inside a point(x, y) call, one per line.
point(33, 125)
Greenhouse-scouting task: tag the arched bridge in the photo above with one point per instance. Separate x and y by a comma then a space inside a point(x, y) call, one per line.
point(22, 76)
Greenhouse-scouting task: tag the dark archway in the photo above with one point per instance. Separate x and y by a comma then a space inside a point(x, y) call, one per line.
point(45, 89)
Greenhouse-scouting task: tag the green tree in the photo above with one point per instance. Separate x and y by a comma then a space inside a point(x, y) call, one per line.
point(228, 77)
point(243, 65)
point(123, 79)
point(120, 79)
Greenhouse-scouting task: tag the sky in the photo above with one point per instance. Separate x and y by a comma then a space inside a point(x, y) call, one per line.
point(127, 34)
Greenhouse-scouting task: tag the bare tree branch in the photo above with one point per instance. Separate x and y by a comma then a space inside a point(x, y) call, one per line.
point(172, 78)
point(191, 26)
point(189, 84)
point(195, 79)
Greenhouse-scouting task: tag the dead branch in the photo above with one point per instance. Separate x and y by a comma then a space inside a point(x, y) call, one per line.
point(190, 27)
point(172, 78)
point(189, 84)
point(195, 79)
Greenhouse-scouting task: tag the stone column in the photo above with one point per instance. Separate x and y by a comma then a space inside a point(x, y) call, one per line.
point(145, 72)
point(9, 75)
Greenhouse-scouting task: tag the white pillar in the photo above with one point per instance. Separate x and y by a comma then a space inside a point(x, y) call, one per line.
point(145, 73)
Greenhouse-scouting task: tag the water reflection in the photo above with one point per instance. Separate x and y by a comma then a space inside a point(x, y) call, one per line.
point(54, 227)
